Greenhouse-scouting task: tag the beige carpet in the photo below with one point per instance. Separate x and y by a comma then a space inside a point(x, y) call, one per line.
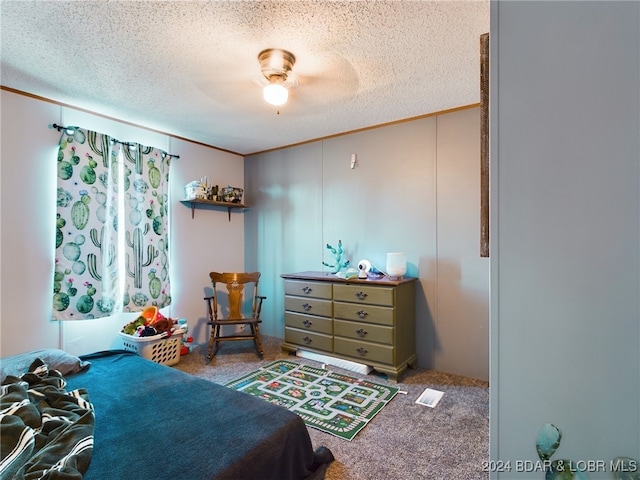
point(405, 440)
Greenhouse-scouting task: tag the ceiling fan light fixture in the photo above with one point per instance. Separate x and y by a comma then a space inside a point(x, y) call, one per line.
point(275, 94)
point(274, 61)
point(276, 64)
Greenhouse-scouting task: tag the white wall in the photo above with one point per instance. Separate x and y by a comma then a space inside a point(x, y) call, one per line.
point(284, 221)
point(462, 281)
point(27, 228)
point(27, 202)
point(416, 188)
point(565, 230)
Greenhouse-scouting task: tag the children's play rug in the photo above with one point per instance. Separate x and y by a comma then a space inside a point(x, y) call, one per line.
point(331, 402)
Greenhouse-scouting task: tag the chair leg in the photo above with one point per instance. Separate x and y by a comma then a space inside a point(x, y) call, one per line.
point(211, 337)
point(213, 342)
point(255, 329)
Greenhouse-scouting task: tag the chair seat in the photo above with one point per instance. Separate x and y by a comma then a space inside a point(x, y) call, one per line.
point(233, 292)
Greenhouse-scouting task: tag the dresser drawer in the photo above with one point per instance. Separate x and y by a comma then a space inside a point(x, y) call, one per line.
point(308, 322)
point(310, 306)
point(364, 294)
point(363, 331)
point(318, 341)
point(363, 313)
point(308, 289)
point(363, 351)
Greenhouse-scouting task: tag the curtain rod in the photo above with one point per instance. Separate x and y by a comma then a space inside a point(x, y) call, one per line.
point(70, 129)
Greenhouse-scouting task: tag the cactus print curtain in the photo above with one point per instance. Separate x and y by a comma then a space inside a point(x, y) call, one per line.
point(112, 252)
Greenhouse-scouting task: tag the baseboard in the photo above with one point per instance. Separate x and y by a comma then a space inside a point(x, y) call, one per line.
point(336, 362)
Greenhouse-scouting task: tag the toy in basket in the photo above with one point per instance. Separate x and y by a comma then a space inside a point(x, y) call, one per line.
point(154, 337)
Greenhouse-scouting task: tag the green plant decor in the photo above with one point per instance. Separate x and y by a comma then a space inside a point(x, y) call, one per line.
point(548, 441)
point(340, 262)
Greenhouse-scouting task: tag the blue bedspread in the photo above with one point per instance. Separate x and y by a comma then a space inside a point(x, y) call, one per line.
point(153, 422)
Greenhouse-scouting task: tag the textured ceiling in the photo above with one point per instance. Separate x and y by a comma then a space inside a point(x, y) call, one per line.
point(190, 68)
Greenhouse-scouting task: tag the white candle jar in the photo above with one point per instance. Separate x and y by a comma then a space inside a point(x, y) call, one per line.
point(396, 265)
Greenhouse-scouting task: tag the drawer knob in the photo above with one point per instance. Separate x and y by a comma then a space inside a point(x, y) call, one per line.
point(306, 290)
point(307, 323)
point(307, 340)
point(361, 295)
point(361, 351)
point(306, 307)
point(362, 314)
point(362, 332)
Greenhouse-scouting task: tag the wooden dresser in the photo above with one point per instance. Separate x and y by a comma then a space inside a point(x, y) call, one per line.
point(366, 321)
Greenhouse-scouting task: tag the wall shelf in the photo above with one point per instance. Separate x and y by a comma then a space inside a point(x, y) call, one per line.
point(200, 201)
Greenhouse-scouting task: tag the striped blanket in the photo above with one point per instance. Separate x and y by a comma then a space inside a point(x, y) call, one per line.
point(45, 432)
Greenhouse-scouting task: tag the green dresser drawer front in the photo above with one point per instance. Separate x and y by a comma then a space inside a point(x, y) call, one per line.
point(308, 289)
point(310, 306)
point(363, 331)
point(363, 313)
point(308, 322)
point(318, 341)
point(363, 351)
point(364, 294)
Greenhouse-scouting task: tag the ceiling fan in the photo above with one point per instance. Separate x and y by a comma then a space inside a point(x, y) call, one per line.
point(276, 66)
point(320, 79)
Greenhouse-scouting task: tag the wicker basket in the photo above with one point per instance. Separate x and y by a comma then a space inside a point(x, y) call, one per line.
point(163, 350)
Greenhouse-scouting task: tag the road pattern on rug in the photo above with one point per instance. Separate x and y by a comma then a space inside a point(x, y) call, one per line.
point(334, 403)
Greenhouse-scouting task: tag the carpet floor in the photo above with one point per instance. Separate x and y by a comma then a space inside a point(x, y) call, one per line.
point(405, 440)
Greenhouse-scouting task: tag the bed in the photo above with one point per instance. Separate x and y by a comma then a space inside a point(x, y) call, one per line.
point(149, 421)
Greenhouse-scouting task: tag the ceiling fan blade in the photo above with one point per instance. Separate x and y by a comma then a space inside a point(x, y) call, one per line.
point(315, 84)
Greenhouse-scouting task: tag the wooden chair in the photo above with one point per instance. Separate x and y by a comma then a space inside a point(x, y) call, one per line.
point(234, 284)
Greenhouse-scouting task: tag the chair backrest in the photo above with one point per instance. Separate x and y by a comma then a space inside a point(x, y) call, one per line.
point(235, 285)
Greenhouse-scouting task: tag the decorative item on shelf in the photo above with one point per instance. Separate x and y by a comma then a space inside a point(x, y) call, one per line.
point(396, 265)
point(195, 190)
point(232, 194)
point(338, 254)
point(212, 193)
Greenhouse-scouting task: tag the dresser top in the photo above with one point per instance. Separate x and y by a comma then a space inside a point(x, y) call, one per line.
point(331, 277)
